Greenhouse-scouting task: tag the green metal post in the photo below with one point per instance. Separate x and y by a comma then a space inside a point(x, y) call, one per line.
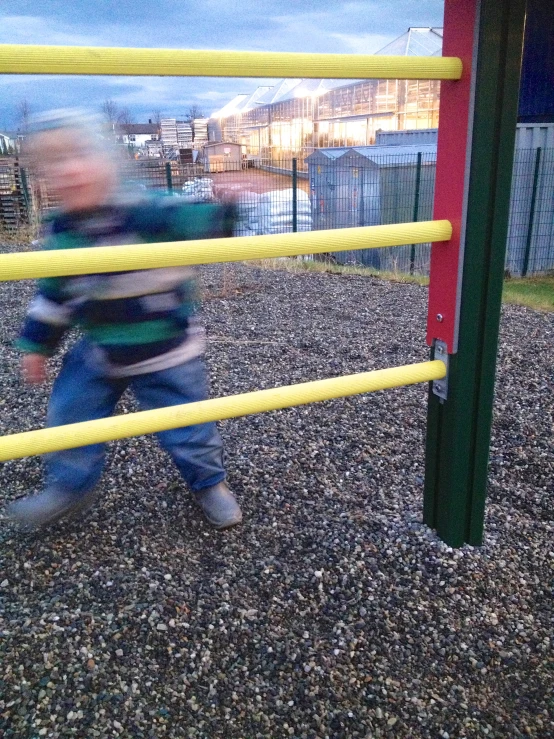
point(295, 194)
point(416, 208)
point(532, 213)
point(459, 428)
point(168, 177)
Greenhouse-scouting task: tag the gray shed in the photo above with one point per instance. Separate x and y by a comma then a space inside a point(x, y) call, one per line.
point(371, 185)
point(222, 156)
point(344, 189)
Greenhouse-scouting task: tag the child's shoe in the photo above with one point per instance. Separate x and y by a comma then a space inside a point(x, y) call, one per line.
point(219, 506)
point(36, 511)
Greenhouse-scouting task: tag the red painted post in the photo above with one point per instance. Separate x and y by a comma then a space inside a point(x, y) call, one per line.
point(453, 151)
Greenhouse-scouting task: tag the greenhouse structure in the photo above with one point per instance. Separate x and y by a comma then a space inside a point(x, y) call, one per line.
point(294, 117)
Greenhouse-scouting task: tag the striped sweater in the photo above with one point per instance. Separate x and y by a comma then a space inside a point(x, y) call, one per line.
point(137, 322)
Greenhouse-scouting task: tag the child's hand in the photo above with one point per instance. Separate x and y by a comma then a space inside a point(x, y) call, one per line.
point(33, 367)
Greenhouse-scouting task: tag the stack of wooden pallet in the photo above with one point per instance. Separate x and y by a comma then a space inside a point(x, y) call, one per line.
point(14, 195)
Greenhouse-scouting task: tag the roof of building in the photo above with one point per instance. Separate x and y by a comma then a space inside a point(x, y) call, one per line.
point(385, 154)
point(221, 143)
point(371, 152)
point(415, 42)
point(241, 103)
point(285, 89)
point(311, 87)
point(138, 128)
point(275, 93)
point(232, 107)
point(252, 100)
point(333, 153)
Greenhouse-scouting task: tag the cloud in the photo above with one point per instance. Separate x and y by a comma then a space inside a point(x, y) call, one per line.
point(273, 25)
point(362, 43)
point(212, 95)
point(34, 29)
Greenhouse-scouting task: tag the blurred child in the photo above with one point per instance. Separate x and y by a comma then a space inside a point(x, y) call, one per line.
point(139, 327)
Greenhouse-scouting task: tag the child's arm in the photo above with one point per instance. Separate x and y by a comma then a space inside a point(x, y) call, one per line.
point(48, 318)
point(49, 315)
point(33, 368)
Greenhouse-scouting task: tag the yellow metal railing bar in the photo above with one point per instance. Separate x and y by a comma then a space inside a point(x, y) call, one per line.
point(127, 257)
point(74, 435)
point(87, 60)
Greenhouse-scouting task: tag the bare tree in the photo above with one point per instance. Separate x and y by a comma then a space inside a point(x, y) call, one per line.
point(125, 117)
point(157, 118)
point(109, 111)
point(195, 111)
point(192, 114)
point(24, 115)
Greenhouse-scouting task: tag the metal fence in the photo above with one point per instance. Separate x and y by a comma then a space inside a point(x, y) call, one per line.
point(531, 226)
point(350, 187)
point(277, 198)
point(364, 190)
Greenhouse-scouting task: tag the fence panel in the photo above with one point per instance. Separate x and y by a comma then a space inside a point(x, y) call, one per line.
point(531, 225)
point(333, 189)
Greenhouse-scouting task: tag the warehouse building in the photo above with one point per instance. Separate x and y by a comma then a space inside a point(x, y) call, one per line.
point(294, 117)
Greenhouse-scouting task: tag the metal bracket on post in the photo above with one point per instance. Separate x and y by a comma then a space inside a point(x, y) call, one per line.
point(440, 387)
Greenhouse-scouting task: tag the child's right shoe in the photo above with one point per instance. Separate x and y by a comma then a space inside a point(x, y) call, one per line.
point(219, 506)
point(36, 511)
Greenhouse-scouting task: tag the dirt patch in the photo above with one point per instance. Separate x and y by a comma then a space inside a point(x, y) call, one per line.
point(255, 180)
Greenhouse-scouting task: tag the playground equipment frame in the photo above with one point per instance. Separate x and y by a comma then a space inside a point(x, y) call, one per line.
point(483, 42)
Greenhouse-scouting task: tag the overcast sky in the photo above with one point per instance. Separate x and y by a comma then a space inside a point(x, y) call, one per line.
point(259, 25)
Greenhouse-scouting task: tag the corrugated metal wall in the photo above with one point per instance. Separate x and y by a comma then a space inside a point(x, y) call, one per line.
point(373, 185)
point(528, 135)
point(413, 137)
point(531, 135)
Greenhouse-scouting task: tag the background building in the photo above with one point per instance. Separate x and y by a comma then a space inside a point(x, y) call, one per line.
point(294, 117)
point(536, 97)
point(222, 157)
point(137, 134)
point(7, 144)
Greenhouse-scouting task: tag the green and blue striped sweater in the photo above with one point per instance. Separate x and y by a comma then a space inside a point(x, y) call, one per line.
point(137, 322)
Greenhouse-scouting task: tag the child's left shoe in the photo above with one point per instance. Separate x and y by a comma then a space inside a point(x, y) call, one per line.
point(219, 506)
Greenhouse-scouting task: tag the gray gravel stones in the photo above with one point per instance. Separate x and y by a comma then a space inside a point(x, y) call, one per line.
point(331, 612)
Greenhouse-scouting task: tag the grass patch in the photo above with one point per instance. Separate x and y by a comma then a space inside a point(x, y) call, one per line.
point(533, 292)
point(290, 264)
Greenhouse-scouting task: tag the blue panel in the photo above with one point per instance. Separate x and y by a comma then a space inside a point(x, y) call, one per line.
point(536, 101)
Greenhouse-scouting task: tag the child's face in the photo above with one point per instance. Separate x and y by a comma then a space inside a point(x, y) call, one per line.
point(81, 175)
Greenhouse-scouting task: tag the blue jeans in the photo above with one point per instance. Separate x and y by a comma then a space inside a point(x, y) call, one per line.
point(82, 392)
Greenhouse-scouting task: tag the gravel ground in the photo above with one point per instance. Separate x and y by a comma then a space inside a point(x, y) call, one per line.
point(331, 612)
